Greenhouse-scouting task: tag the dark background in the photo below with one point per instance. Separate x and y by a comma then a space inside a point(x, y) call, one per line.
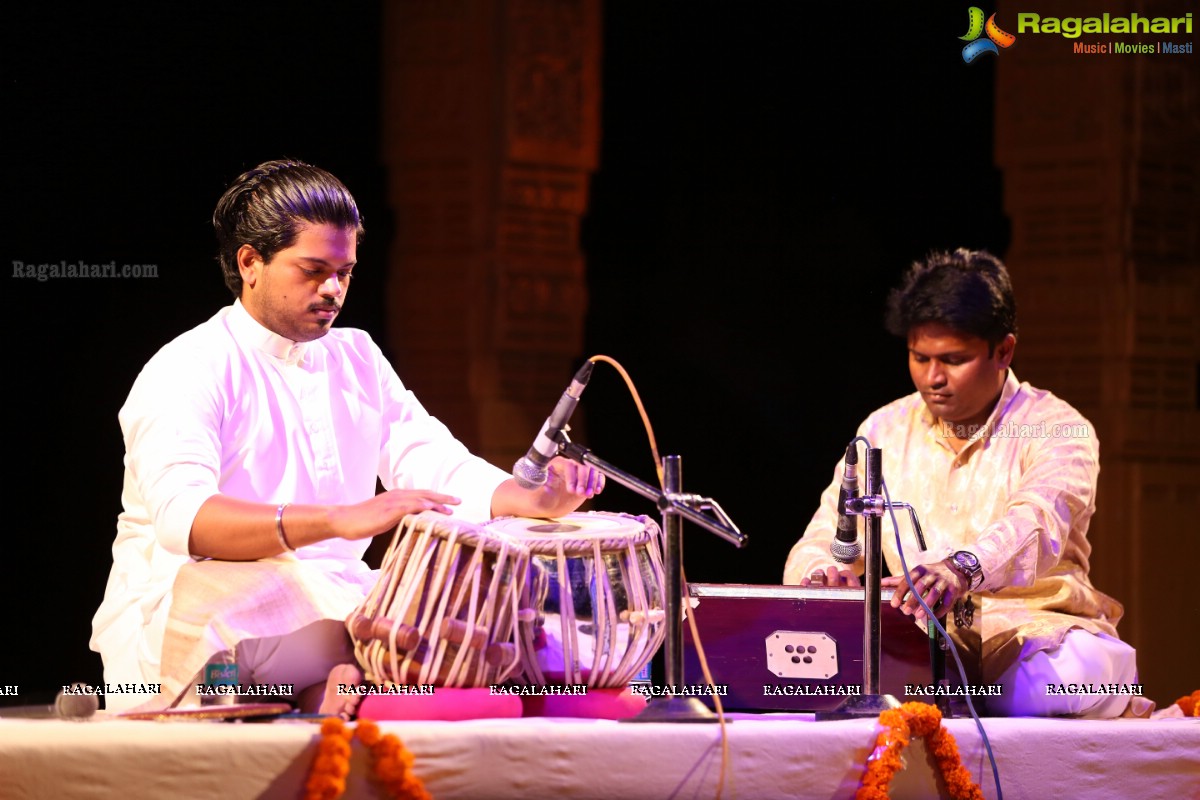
point(766, 173)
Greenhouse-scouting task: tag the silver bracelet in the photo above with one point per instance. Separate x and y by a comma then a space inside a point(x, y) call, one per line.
point(279, 528)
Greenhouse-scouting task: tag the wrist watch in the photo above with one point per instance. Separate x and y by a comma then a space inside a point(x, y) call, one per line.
point(966, 564)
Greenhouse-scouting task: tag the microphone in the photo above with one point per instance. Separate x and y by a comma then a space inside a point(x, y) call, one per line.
point(530, 470)
point(845, 548)
point(66, 706)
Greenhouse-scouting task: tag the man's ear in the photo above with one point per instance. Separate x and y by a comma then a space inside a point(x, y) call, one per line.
point(1005, 350)
point(250, 265)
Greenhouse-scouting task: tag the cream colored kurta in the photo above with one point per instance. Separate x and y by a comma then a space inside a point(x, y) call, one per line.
point(1019, 495)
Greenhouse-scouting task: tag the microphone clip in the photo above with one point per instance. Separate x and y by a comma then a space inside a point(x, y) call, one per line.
point(873, 506)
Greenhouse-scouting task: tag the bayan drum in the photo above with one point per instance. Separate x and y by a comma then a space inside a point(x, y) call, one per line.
point(444, 610)
point(596, 583)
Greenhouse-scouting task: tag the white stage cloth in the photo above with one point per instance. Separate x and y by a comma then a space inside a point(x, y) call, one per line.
point(770, 756)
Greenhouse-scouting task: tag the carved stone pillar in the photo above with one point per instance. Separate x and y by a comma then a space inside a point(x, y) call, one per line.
point(1101, 161)
point(490, 134)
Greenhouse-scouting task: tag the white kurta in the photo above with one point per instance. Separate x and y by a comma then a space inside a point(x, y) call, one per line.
point(230, 407)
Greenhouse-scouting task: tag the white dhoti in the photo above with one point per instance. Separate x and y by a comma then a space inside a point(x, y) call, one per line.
point(281, 618)
point(1088, 675)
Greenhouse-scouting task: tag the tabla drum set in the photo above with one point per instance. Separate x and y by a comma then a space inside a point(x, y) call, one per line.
point(577, 600)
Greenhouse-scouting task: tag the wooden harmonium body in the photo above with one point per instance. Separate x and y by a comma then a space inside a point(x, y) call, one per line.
point(793, 648)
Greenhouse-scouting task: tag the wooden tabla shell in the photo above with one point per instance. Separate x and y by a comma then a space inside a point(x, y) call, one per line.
point(445, 607)
point(597, 585)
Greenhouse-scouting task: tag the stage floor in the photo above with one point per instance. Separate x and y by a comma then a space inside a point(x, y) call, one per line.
point(769, 756)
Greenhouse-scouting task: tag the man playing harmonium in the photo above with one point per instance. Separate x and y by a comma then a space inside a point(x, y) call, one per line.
point(258, 437)
point(1003, 478)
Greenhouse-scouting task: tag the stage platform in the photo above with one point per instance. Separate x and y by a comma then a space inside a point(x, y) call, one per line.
point(769, 756)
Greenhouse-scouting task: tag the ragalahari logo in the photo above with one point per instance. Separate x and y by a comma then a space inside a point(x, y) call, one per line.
point(976, 27)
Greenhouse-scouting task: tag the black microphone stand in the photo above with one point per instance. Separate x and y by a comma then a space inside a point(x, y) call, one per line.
point(870, 703)
point(675, 507)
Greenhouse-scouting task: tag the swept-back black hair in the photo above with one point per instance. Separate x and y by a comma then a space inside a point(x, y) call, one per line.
point(968, 290)
point(267, 206)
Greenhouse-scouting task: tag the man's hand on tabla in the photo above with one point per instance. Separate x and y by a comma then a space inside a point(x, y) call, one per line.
point(564, 476)
point(568, 484)
point(383, 512)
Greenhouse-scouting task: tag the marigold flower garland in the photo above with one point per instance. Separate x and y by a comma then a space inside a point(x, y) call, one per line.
point(391, 762)
point(899, 726)
point(1189, 704)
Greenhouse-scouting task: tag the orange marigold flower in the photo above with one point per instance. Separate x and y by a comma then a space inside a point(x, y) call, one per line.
point(899, 725)
point(332, 725)
point(923, 718)
point(337, 747)
point(329, 764)
point(389, 769)
point(334, 789)
point(891, 718)
point(367, 732)
point(326, 787)
point(391, 762)
point(387, 745)
point(414, 789)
